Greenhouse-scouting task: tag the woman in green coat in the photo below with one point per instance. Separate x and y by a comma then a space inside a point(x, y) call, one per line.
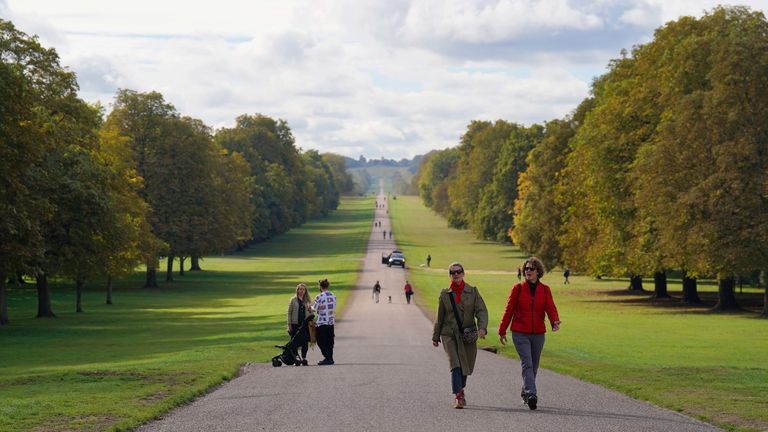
point(473, 314)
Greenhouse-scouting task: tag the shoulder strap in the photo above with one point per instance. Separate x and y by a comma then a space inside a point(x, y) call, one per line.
point(455, 311)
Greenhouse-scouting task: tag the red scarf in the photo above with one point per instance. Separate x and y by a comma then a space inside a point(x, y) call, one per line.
point(458, 289)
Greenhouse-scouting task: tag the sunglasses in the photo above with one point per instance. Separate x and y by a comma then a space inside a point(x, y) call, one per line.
point(529, 269)
point(453, 272)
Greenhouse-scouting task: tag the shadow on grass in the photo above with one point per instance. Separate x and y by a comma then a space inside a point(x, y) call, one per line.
point(749, 302)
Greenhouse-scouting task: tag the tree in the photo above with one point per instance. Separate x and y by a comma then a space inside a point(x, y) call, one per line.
point(434, 176)
point(494, 214)
point(145, 120)
point(345, 185)
point(704, 173)
point(600, 222)
point(281, 191)
point(538, 214)
point(478, 153)
point(45, 128)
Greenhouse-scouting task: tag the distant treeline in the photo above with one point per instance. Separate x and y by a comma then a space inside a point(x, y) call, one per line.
point(86, 196)
point(664, 166)
point(362, 162)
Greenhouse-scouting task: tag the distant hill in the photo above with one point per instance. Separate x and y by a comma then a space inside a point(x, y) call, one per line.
point(397, 175)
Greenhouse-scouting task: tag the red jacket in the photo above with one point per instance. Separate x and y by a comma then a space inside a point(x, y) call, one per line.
point(526, 312)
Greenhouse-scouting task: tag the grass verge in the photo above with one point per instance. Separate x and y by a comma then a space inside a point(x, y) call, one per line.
point(709, 366)
point(115, 367)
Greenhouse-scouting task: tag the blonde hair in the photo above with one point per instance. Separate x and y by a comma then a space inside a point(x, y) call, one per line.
point(306, 292)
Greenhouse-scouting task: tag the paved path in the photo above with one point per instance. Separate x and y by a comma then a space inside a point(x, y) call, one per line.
point(389, 377)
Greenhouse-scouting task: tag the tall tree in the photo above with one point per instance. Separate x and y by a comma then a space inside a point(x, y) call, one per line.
point(434, 174)
point(705, 172)
point(538, 214)
point(494, 214)
point(341, 177)
point(145, 120)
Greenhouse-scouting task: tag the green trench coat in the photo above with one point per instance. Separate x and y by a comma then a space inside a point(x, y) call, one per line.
point(473, 313)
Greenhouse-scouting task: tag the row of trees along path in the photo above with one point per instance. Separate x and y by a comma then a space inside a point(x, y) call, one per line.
point(662, 169)
point(389, 377)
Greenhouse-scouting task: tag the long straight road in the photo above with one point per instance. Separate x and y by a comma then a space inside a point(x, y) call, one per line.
point(389, 377)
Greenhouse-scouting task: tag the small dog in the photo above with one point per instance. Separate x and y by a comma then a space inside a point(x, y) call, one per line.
point(390, 299)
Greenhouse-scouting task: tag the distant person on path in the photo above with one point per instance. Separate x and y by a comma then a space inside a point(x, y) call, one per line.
point(429, 259)
point(408, 289)
point(325, 305)
point(463, 300)
point(390, 234)
point(299, 308)
point(376, 291)
point(519, 273)
point(526, 306)
point(566, 274)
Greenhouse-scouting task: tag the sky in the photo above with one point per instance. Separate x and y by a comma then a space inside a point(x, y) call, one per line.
point(378, 78)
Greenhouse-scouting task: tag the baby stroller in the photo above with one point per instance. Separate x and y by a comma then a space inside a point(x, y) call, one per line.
point(290, 356)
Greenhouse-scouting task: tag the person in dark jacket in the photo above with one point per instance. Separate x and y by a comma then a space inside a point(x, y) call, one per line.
point(526, 307)
point(470, 307)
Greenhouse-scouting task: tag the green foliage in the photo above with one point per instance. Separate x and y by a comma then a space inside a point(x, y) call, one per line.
point(493, 215)
point(345, 185)
point(434, 176)
point(118, 366)
point(703, 175)
point(537, 215)
point(606, 331)
point(36, 95)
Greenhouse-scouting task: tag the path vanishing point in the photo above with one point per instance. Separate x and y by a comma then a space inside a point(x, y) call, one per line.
point(389, 377)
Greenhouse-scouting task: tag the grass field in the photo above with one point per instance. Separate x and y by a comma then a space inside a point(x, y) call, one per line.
point(114, 367)
point(710, 366)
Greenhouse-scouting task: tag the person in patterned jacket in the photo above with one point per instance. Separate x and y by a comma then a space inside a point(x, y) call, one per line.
point(325, 307)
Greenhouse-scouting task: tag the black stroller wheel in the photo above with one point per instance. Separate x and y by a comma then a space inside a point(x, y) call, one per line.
point(276, 362)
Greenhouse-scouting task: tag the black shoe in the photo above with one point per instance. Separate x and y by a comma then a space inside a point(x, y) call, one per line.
point(304, 362)
point(325, 362)
point(532, 399)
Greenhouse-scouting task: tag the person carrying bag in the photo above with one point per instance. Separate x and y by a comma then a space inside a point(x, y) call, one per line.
point(468, 306)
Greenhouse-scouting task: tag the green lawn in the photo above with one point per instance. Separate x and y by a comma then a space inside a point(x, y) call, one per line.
point(114, 367)
point(710, 366)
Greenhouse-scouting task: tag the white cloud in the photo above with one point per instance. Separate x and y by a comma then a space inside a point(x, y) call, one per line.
point(391, 78)
point(490, 21)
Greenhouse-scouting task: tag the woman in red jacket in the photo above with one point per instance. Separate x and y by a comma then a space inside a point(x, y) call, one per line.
point(526, 306)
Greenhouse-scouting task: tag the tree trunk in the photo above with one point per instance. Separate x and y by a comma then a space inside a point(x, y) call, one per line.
point(79, 290)
point(690, 291)
point(109, 290)
point(3, 302)
point(151, 281)
point(726, 295)
point(636, 283)
point(195, 264)
point(764, 281)
point(660, 285)
point(181, 265)
point(43, 297)
point(169, 269)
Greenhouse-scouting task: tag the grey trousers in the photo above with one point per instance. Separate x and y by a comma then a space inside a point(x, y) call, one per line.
point(529, 348)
